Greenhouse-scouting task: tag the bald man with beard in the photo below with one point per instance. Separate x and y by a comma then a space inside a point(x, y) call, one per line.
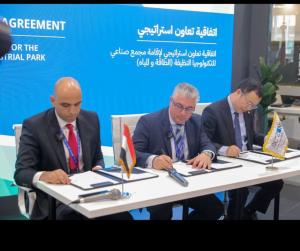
point(45, 153)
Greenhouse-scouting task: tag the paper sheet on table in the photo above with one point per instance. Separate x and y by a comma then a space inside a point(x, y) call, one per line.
point(256, 157)
point(187, 170)
point(90, 180)
point(137, 174)
point(292, 153)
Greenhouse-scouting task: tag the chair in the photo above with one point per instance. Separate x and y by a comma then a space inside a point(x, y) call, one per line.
point(26, 196)
point(117, 130)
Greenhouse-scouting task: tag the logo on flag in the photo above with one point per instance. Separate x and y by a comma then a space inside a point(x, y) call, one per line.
point(276, 143)
point(127, 155)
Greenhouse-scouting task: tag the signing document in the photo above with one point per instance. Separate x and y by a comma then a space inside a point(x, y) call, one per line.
point(256, 157)
point(291, 153)
point(188, 170)
point(137, 174)
point(91, 180)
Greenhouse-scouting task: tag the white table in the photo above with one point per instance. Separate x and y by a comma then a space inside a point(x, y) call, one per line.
point(164, 189)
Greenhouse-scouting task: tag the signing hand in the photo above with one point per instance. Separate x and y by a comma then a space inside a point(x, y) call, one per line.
point(162, 162)
point(55, 177)
point(200, 161)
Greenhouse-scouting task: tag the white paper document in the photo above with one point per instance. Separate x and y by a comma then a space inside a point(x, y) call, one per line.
point(137, 174)
point(256, 157)
point(188, 170)
point(90, 180)
point(292, 153)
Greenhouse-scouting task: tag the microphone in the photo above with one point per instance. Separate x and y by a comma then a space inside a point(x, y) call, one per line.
point(59, 136)
point(5, 38)
point(113, 194)
point(178, 177)
point(169, 135)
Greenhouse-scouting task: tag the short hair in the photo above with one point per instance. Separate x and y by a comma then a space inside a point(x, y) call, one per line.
point(250, 84)
point(186, 90)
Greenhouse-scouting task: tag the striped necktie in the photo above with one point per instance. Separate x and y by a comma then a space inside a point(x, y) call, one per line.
point(179, 142)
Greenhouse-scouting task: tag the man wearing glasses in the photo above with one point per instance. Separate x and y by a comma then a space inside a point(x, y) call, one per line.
point(175, 134)
point(229, 123)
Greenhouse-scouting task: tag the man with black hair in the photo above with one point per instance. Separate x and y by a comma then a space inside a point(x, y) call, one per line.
point(229, 123)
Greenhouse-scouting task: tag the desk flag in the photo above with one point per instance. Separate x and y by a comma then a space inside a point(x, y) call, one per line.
point(127, 155)
point(276, 142)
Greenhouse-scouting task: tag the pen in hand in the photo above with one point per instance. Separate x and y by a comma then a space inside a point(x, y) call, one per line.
point(164, 161)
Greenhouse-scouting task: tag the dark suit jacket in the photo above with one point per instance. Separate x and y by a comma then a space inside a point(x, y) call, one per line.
point(217, 122)
point(41, 149)
point(152, 134)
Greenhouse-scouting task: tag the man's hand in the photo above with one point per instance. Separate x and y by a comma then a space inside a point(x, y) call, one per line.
point(55, 177)
point(97, 168)
point(162, 162)
point(233, 151)
point(200, 161)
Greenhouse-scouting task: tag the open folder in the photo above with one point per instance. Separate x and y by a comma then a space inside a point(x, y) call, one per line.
point(91, 180)
point(116, 174)
point(188, 170)
point(258, 156)
point(107, 177)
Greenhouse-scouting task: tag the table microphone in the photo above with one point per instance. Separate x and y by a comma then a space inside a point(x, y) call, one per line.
point(113, 194)
point(178, 177)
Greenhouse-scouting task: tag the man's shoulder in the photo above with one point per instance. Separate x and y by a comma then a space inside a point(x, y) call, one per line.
point(87, 113)
point(39, 118)
point(217, 105)
point(153, 116)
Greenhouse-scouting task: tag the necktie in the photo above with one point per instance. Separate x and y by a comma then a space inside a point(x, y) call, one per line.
point(179, 142)
point(74, 147)
point(237, 131)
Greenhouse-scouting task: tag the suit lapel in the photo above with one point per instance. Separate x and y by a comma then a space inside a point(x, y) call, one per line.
point(57, 145)
point(166, 129)
point(190, 137)
point(227, 117)
point(81, 124)
point(248, 125)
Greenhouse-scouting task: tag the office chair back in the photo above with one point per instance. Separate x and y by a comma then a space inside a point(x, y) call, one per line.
point(26, 196)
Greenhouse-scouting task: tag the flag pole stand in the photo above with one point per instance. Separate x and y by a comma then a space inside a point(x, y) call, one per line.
point(125, 195)
point(271, 167)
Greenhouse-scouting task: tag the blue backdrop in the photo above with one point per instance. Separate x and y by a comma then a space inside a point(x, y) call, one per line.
point(127, 58)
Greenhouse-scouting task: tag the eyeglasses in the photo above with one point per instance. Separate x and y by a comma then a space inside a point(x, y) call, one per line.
point(250, 105)
point(180, 107)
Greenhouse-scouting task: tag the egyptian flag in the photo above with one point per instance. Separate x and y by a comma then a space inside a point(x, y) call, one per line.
point(127, 155)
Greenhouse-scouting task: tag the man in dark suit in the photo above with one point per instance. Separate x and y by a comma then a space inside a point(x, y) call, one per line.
point(173, 134)
point(56, 143)
point(229, 123)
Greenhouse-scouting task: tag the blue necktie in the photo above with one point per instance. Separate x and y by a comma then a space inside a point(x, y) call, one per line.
point(237, 131)
point(179, 143)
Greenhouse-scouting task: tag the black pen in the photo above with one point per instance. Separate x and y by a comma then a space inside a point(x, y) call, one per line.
point(164, 153)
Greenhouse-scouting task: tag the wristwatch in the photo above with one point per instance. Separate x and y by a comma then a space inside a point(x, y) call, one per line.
point(208, 153)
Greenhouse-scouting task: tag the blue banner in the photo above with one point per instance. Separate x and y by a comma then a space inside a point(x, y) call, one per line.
point(127, 58)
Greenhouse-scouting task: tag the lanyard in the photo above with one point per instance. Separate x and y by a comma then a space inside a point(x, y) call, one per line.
point(76, 160)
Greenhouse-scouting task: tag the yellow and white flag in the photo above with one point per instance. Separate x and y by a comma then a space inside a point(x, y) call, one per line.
point(276, 142)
